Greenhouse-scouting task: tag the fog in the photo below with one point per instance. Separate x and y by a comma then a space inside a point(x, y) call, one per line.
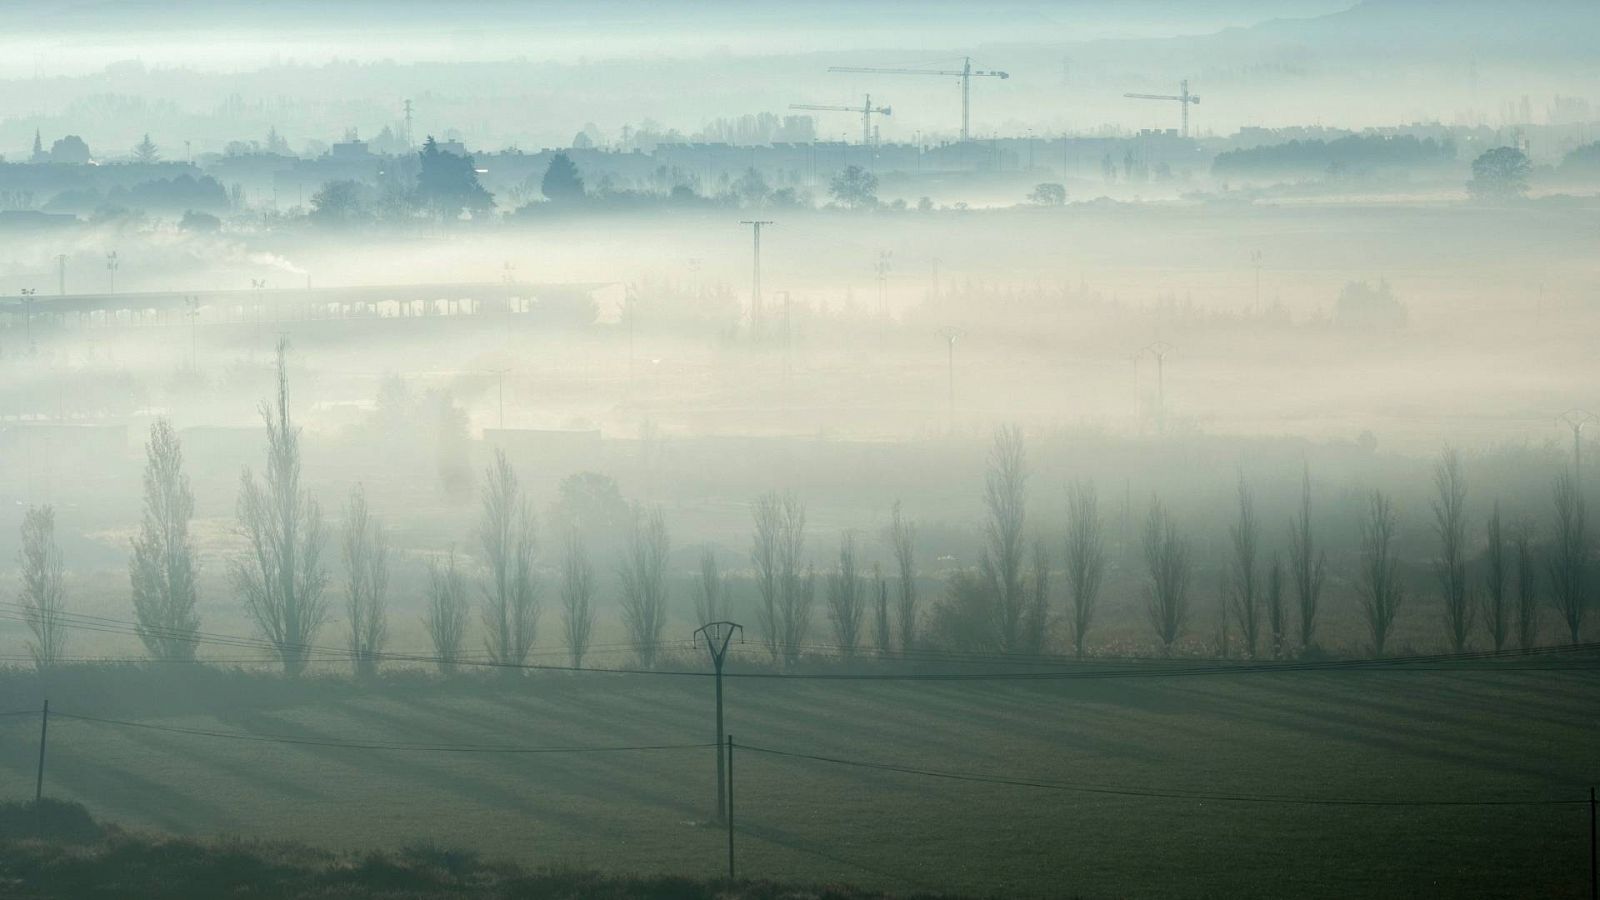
point(486, 277)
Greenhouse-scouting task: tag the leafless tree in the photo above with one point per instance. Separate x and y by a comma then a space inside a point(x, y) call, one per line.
point(903, 538)
point(882, 632)
point(1527, 588)
point(577, 598)
point(1569, 558)
point(162, 568)
point(1379, 578)
point(1277, 611)
point(710, 604)
point(366, 559)
point(446, 621)
point(43, 595)
point(1036, 618)
point(1244, 575)
point(1496, 578)
point(1450, 524)
point(787, 592)
point(847, 600)
point(644, 582)
point(1005, 497)
point(506, 536)
point(282, 579)
point(1166, 556)
point(1085, 558)
point(1307, 564)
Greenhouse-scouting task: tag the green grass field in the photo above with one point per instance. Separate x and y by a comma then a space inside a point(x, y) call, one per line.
point(1488, 732)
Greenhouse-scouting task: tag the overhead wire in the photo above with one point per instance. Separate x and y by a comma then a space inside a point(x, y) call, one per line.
point(1155, 794)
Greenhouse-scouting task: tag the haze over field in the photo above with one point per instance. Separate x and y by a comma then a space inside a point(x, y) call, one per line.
point(1061, 414)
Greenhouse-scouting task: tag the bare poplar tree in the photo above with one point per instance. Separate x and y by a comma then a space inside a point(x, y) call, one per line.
point(1496, 578)
point(1527, 588)
point(1005, 497)
point(800, 597)
point(366, 560)
point(768, 513)
point(847, 599)
point(903, 538)
point(162, 569)
point(446, 621)
point(1379, 578)
point(1036, 618)
point(43, 595)
point(1450, 524)
point(282, 579)
point(644, 582)
point(1085, 559)
point(1569, 558)
point(1307, 564)
point(1166, 556)
point(787, 593)
point(710, 604)
point(1277, 611)
point(1244, 575)
point(577, 598)
point(882, 632)
point(506, 535)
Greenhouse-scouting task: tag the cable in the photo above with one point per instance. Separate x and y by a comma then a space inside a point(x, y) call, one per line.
point(376, 745)
point(1145, 668)
point(1164, 795)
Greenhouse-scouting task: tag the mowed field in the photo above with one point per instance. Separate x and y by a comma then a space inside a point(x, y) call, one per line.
point(1485, 732)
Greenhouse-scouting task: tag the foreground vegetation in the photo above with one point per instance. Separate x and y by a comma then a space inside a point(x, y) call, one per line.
point(57, 850)
point(1491, 730)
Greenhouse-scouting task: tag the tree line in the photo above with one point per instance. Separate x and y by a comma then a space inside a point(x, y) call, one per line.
point(1490, 578)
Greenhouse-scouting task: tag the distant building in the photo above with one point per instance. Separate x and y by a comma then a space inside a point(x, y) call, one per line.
point(350, 150)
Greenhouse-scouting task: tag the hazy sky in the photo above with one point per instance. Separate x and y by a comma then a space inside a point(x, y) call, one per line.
point(498, 73)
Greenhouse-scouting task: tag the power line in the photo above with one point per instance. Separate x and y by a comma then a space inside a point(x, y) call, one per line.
point(1132, 668)
point(1163, 795)
point(374, 745)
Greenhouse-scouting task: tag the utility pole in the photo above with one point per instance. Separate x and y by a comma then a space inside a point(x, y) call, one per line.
point(730, 811)
point(788, 346)
point(717, 635)
point(111, 272)
point(1255, 261)
point(192, 310)
point(501, 375)
point(61, 274)
point(755, 277)
point(950, 336)
point(256, 286)
point(1159, 350)
point(44, 732)
point(882, 267)
point(1576, 419)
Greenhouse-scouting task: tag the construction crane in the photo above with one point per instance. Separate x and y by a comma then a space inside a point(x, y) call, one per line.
point(1183, 97)
point(867, 111)
point(966, 73)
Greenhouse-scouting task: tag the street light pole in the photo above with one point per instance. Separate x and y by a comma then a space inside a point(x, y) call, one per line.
point(501, 374)
point(717, 635)
point(950, 336)
point(27, 314)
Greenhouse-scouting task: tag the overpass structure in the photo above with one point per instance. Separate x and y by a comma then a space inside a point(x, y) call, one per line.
point(572, 303)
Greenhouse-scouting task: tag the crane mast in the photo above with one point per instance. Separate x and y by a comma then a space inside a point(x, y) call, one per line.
point(966, 73)
point(1183, 98)
point(866, 110)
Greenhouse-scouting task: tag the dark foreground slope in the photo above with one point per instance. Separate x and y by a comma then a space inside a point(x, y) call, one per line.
point(58, 851)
